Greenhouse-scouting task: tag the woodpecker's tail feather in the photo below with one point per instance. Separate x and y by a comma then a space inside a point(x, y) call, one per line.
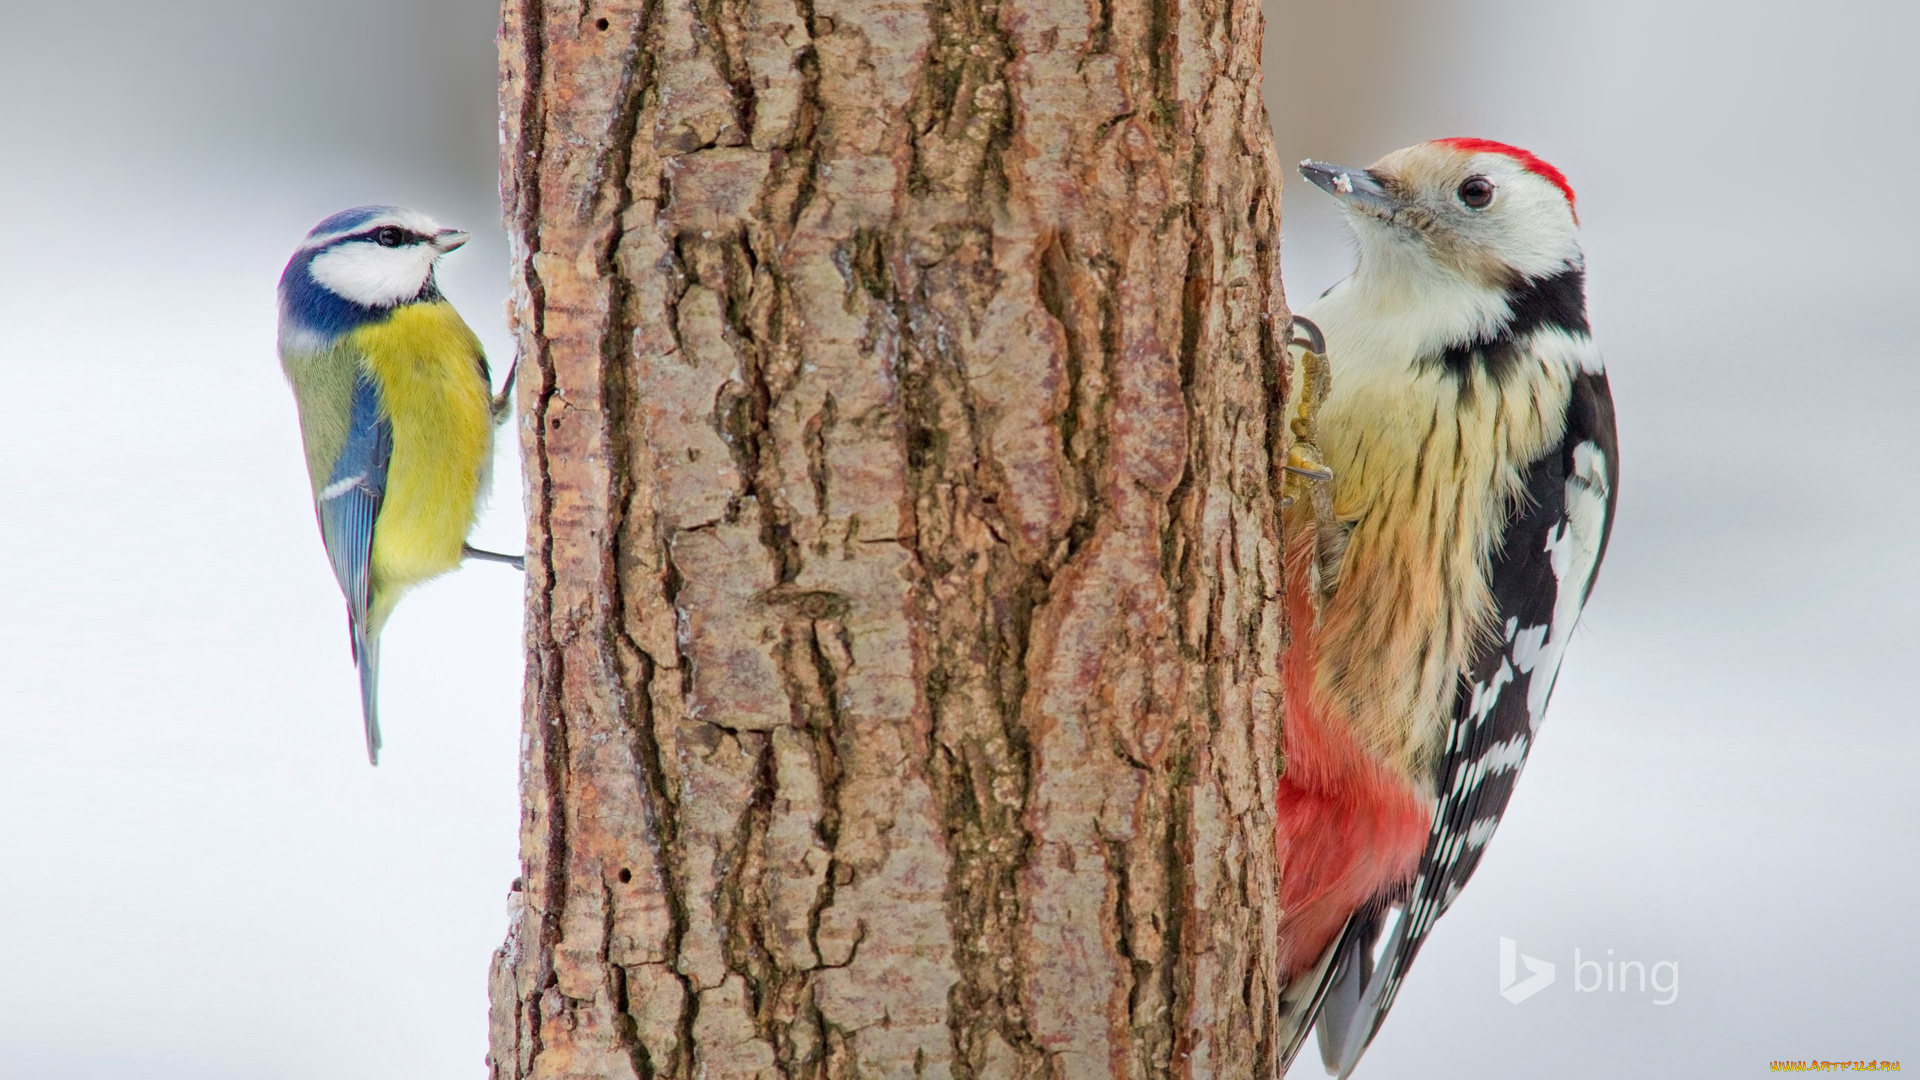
point(1301, 1002)
point(1345, 995)
point(1366, 974)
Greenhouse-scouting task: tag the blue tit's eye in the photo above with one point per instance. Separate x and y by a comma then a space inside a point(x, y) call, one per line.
point(1476, 191)
point(389, 236)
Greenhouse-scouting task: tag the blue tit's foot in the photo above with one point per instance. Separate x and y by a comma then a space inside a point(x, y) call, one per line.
point(504, 399)
point(468, 551)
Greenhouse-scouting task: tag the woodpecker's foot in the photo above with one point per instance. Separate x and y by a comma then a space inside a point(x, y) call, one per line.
point(1302, 464)
point(468, 551)
point(1303, 457)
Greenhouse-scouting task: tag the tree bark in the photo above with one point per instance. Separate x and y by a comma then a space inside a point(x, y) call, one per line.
point(899, 398)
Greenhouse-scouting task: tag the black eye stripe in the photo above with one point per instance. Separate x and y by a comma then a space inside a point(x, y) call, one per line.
point(372, 236)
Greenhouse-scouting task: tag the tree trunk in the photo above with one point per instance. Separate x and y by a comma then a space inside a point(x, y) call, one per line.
point(899, 403)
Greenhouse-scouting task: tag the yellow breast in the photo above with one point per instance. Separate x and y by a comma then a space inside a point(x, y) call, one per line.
point(427, 364)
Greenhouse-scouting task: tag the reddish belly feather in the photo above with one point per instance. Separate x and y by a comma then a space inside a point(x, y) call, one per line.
point(1347, 827)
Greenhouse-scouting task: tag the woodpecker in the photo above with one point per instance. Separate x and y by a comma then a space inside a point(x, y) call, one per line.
point(1469, 431)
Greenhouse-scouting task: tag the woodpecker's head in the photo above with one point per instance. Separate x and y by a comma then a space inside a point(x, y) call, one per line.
point(1483, 211)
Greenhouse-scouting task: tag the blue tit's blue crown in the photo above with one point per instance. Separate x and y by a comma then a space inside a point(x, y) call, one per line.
point(355, 283)
point(347, 221)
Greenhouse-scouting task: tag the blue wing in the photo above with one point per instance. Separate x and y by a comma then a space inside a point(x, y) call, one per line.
point(347, 507)
point(1540, 578)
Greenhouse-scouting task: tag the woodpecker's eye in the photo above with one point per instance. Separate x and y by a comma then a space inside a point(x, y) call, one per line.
point(390, 236)
point(1476, 191)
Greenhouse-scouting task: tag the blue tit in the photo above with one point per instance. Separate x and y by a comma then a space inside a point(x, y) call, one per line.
point(396, 411)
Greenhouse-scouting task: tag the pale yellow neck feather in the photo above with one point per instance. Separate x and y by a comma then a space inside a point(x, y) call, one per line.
point(1426, 470)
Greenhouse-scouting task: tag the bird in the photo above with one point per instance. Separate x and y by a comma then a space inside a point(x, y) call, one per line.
point(397, 414)
point(1463, 450)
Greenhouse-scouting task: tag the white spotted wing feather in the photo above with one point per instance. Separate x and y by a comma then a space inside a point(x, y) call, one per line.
point(1542, 572)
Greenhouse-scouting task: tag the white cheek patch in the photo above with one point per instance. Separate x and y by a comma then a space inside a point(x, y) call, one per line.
point(1534, 231)
point(366, 273)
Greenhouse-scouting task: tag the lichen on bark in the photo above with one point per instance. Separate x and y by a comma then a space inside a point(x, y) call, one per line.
point(899, 399)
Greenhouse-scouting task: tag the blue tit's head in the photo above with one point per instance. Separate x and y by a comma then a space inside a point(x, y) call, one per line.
point(357, 266)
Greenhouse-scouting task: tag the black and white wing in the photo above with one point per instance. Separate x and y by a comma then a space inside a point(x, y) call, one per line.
point(348, 505)
point(1541, 575)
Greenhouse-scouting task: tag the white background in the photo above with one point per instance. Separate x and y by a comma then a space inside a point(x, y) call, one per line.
point(202, 878)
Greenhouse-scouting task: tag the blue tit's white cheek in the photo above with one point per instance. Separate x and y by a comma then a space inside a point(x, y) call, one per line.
point(366, 273)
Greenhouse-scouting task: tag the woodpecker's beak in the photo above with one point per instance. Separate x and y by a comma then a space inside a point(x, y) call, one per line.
point(447, 239)
point(1355, 187)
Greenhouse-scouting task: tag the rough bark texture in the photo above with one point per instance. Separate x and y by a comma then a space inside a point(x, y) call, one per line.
point(899, 404)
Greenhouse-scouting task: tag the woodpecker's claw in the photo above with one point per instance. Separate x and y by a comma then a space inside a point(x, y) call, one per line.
point(1312, 391)
point(1303, 456)
point(1303, 460)
point(1315, 342)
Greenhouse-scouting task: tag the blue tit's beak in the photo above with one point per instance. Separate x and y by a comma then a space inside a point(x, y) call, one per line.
point(447, 239)
point(1355, 187)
